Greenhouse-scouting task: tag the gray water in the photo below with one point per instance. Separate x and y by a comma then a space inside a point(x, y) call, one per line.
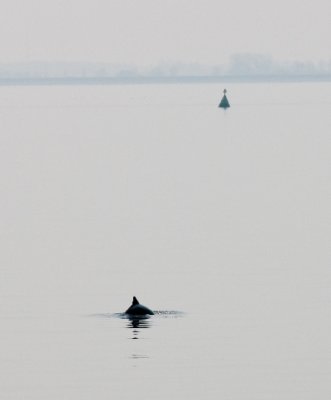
point(219, 220)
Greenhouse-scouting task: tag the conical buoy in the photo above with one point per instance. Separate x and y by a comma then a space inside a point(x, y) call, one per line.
point(224, 102)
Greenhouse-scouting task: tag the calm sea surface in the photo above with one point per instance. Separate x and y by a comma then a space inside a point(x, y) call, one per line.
point(220, 220)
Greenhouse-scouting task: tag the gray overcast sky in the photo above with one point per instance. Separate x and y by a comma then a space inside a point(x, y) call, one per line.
point(146, 32)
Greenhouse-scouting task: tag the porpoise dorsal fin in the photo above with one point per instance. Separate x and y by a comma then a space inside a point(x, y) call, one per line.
point(135, 301)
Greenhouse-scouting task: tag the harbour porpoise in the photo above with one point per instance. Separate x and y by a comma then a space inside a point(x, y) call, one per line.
point(138, 309)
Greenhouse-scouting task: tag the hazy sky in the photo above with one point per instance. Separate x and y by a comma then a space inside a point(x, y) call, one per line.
point(146, 32)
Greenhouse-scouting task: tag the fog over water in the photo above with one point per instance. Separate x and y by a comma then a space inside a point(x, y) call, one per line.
point(217, 220)
point(152, 31)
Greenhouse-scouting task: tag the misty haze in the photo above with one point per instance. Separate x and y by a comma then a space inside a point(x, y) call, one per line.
point(239, 66)
point(154, 244)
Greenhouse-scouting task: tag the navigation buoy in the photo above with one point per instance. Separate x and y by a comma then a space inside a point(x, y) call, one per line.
point(224, 102)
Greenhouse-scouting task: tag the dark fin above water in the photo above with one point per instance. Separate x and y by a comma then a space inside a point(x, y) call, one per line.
point(138, 309)
point(135, 301)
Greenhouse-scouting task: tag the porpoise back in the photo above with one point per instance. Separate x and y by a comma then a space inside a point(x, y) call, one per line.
point(138, 309)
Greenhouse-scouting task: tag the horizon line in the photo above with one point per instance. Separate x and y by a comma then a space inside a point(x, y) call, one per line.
point(144, 79)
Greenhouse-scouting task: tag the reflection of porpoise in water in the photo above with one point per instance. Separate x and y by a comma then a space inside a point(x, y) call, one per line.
point(138, 309)
point(138, 322)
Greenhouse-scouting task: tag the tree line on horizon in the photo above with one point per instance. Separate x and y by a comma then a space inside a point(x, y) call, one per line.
point(244, 64)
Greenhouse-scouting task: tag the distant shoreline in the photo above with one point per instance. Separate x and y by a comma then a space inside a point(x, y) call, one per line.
point(27, 81)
